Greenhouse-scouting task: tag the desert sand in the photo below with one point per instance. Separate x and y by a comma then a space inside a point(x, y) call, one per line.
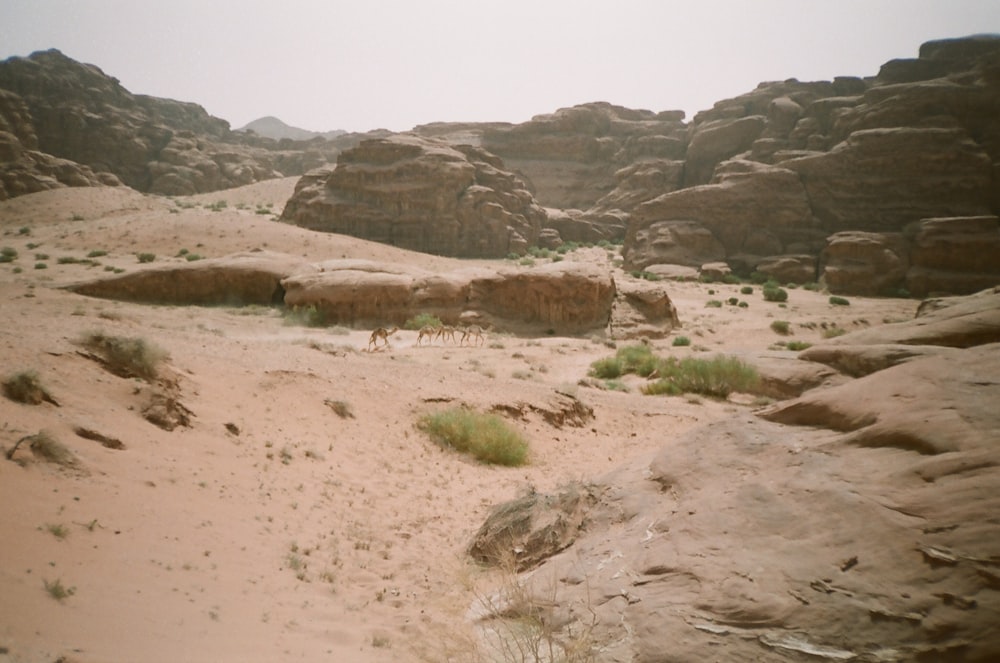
point(274, 528)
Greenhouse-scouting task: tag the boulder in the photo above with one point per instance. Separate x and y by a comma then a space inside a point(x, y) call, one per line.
point(24, 171)
point(642, 309)
point(789, 268)
point(586, 227)
point(957, 255)
point(714, 271)
point(717, 141)
point(420, 194)
point(864, 263)
point(748, 206)
point(677, 242)
point(237, 280)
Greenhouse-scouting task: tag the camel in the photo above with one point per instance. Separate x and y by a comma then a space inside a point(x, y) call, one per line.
point(473, 331)
point(445, 332)
point(430, 331)
point(381, 333)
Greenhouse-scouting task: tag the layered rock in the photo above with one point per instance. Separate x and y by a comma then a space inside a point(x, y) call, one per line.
point(955, 255)
point(864, 263)
point(151, 144)
point(420, 194)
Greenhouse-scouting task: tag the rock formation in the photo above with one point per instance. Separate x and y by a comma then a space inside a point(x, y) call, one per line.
point(854, 522)
point(421, 194)
point(78, 113)
point(555, 298)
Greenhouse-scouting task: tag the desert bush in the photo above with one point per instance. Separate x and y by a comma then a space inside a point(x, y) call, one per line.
point(8, 254)
point(191, 257)
point(127, 356)
point(713, 303)
point(42, 256)
point(746, 290)
point(833, 332)
point(733, 301)
point(41, 265)
point(681, 341)
point(487, 437)
point(774, 293)
point(811, 286)
point(305, 316)
point(798, 346)
point(422, 320)
point(839, 301)
point(57, 591)
point(718, 377)
point(97, 253)
point(780, 327)
point(145, 257)
point(25, 387)
point(638, 359)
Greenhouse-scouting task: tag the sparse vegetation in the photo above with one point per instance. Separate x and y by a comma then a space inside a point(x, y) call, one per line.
point(341, 408)
point(798, 346)
point(833, 332)
point(57, 590)
point(681, 341)
point(41, 265)
point(126, 356)
point(839, 301)
point(26, 387)
point(774, 293)
point(97, 253)
point(57, 530)
point(145, 257)
point(713, 303)
point(487, 437)
point(718, 377)
point(746, 290)
point(780, 327)
point(305, 316)
point(638, 359)
point(422, 320)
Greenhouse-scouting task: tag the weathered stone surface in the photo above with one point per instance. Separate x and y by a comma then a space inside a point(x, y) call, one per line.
point(642, 309)
point(879, 180)
point(789, 268)
point(423, 195)
point(714, 271)
point(155, 145)
point(24, 171)
point(240, 279)
point(958, 322)
point(714, 142)
point(746, 200)
point(864, 263)
point(861, 360)
point(563, 297)
point(957, 255)
point(677, 242)
point(586, 228)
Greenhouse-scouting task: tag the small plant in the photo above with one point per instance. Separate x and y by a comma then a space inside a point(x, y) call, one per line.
point(76, 217)
point(681, 341)
point(24, 230)
point(746, 290)
point(306, 316)
point(798, 346)
point(774, 293)
point(638, 359)
point(127, 356)
point(487, 437)
point(780, 327)
point(341, 408)
point(191, 257)
point(716, 377)
point(812, 286)
point(57, 591)
point(526, 262)
point(713, 303)
point(218, 205)
point(839, 301)
point(422, 320)
point(834, 332)
point(42, 256)
point(97, 253)
point(58, 530)
point(145, 257)
point(41, 265)
point(25, 387)
point(733, 301)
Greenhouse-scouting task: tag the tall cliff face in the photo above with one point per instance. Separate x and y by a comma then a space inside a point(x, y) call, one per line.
point(76, 112)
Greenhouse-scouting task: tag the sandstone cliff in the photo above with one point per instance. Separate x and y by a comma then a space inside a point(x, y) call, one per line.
point(421, 194)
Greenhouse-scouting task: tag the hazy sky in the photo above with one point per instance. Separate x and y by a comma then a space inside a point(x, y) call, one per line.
point(367, 64)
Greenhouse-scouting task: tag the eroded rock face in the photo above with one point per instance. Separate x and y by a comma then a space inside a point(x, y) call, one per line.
point(849, 522)
point(562, 298)
point(153, 145)
point(423, 195)
point(864, 263)
point(24, 171)
point(956, 255)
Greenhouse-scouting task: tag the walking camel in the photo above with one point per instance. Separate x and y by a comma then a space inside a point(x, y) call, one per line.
point(381, 333)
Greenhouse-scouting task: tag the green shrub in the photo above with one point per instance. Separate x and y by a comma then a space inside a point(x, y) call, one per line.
point(798, 346)
point(839, 301)
point(811, 286)
point(833, 332)
point(759, 277)
point(422, 320)
point(731, 279)
point(775, 294)
point(746, 290)
point(780, 327)
point(42, 256)
point(733, 301)
point(8, 254)
point(127, 356)
point(97, 253)
point(191, 257)
point(638, 359)
point(57, 591)
point(743, 304)
point(487, 437)
point(716, 377)
point(608, 368)
point(713, 303)
point(681, 341)
point(41, 265)
point(146, 257)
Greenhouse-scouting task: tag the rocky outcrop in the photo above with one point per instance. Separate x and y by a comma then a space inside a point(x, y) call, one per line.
point(954, 255)
point(560, 298)
point(24, 171)
point(420, 194)
point(864, 263)
point(853, 522)
point(154, 145)
point(642, 309)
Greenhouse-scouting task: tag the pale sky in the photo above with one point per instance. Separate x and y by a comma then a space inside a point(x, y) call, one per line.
point(366, 64)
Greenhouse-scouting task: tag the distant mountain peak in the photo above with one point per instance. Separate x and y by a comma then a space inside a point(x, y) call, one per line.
point(272, 127)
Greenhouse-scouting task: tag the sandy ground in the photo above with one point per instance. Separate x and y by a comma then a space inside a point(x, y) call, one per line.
point(273, 528)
